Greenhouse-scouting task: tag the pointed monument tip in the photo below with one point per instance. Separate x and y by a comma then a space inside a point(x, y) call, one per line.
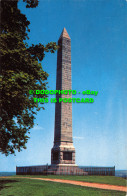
point(64, 34)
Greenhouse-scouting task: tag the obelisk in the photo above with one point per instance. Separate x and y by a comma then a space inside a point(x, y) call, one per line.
point(63, 151)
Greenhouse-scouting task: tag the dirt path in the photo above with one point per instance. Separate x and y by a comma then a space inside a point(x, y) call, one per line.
point(85, 184)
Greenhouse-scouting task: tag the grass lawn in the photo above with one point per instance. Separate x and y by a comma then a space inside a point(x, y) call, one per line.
point(113, 180)
point(27, 187)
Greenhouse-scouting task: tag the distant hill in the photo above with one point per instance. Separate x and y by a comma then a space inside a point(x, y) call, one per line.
point(121, 173)
point(7, 173)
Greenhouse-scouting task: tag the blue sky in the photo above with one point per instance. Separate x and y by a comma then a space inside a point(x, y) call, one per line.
point(98, 31)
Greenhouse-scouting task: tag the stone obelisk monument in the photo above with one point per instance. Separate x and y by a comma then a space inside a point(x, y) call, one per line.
point(63, 151)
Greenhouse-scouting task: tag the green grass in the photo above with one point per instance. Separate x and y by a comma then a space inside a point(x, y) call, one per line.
point(113, 180)
point(28, 187)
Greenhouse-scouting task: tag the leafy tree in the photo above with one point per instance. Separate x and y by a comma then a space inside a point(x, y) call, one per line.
point(21, 72)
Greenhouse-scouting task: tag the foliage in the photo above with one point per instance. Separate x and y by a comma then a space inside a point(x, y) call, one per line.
point(21, 71)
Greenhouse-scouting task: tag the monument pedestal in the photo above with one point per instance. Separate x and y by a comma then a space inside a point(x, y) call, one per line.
point(65, 169)
point(63, 153)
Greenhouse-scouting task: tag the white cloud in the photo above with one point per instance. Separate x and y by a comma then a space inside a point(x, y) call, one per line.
point(79, 138)
point(38, 128)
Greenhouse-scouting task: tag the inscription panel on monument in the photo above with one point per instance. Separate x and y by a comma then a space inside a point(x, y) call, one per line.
point(67, 156)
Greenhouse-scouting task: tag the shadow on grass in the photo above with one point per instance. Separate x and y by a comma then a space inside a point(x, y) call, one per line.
point(4, 182)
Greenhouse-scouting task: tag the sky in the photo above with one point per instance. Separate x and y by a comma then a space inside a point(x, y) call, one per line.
point(98, 32)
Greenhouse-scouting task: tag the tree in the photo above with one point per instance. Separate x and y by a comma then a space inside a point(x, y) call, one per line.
point(21, 71)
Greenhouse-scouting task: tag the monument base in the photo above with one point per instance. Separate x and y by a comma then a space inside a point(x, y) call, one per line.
point(51, 170)
point(65, 169)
